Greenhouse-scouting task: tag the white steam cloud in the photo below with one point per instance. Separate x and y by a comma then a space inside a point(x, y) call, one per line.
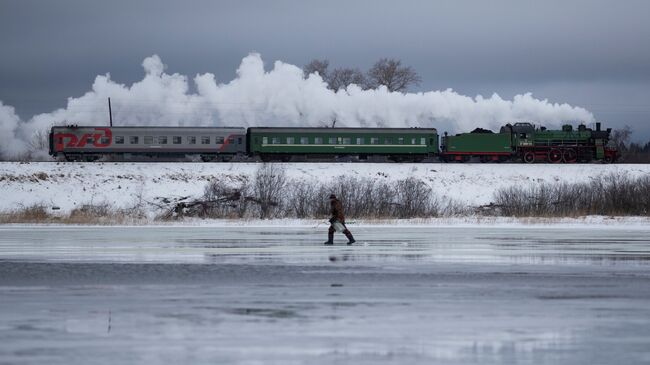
point(279, 97)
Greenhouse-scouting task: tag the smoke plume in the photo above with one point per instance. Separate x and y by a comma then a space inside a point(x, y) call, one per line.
point(279, 97)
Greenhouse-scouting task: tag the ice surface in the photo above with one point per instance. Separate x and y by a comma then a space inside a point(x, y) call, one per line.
point(252, 295)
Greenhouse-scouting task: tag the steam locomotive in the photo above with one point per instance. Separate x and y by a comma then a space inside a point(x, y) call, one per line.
point(521, 142)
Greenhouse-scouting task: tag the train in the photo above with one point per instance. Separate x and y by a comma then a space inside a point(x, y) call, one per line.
point(519, 142)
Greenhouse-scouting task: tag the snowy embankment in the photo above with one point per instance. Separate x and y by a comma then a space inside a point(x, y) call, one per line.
point(66, 186)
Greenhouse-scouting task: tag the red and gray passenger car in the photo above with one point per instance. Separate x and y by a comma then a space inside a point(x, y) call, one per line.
point(85, 143)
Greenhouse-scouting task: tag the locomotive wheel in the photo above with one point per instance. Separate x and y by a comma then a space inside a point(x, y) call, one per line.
point(555, 155)
point(569, 155)
point(529, 157)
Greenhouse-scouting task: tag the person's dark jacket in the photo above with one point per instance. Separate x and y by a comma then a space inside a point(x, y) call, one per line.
point(336, 209)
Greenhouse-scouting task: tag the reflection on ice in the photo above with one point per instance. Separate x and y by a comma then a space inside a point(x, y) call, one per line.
point(377, 246)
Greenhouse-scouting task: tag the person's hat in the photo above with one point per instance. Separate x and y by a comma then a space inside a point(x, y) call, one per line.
point(332, 196)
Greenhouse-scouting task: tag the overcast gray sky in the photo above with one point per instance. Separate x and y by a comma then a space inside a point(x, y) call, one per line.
point(589, 53)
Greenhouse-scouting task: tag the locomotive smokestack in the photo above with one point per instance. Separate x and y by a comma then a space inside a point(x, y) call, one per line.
point(597, 126)
point(110, 112)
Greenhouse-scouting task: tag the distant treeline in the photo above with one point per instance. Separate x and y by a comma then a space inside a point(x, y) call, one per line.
point(630, 152)
point(636, 153)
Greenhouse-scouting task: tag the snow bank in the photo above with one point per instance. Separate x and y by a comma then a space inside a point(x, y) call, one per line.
point(69, 185)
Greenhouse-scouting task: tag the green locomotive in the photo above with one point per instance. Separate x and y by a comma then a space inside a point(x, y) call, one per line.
point(523, 142)
point(371, 144)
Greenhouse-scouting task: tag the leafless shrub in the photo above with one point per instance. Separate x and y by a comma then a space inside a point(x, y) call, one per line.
point(452, 208)
point(269, 188)
point(371, 198)
point(302, 199)
point(219, 201)
point(608, 195)
point(413, 198)
point(265, 197)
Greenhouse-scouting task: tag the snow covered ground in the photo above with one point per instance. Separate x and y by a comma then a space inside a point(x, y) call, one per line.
point(68, 185)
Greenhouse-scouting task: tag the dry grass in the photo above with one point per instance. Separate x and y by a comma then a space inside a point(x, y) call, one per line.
point(33, 214)
point(85, 215)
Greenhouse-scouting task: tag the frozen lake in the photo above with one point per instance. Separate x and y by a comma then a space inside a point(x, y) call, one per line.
point(252, 295)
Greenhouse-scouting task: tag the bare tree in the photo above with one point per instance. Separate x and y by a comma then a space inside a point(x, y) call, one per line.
point(390, 73)
point(39, 140)
point(621, 138)
point(38, 145)
point(319, 66)
point(340, 78)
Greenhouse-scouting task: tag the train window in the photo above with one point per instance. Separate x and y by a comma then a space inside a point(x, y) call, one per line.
point(522, 135)
point(191, 140)
point(133, 140)
point(275, 140)
point(162, 139)
point(388, 141)
point(423, 141)
point(304, 140)
point(105, 140)
point(412, 140)
point(119, 139)
point(239, 140)
point(318, 140)
point(177, 140)
point(89, 140)
point(231, 140)
point(374, 140)
point(290, 140)
point(205, 139)
point(265, 140)
point(218, 140)
point(400, 140)
point(332, 140)
point(148, 140)
point(347, 140)
point(359, 140)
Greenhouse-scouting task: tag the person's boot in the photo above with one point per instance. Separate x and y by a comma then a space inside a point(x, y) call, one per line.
point(330, 239)
point(351, 240)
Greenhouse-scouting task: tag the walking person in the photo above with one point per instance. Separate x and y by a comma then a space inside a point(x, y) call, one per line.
point(337, 222)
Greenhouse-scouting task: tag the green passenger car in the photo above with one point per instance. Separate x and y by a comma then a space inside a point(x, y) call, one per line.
point(398, 144)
